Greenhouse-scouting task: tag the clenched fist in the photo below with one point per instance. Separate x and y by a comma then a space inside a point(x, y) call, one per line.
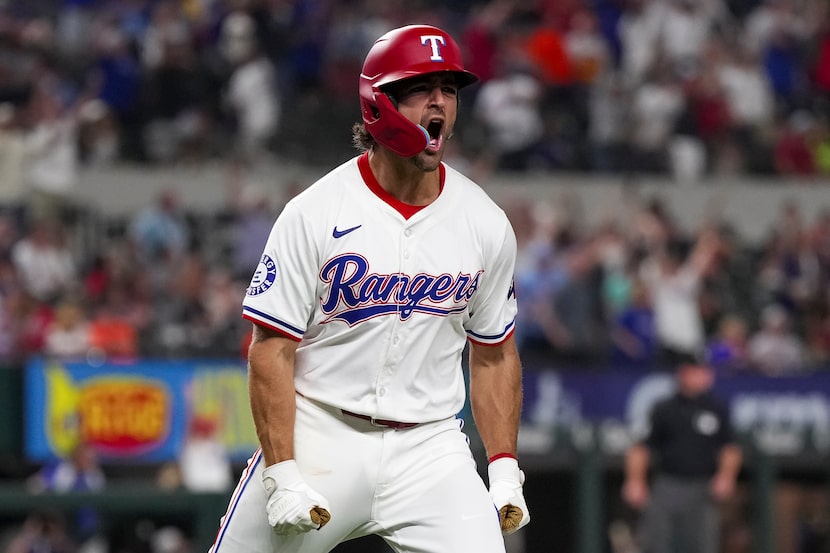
point(293, 507)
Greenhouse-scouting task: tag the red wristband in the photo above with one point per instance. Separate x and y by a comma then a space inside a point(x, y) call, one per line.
point(500, 456)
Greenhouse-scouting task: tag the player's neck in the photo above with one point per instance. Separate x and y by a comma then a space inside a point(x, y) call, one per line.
point(403, 180)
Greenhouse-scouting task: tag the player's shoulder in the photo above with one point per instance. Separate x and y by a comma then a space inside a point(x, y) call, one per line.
point(480, 208)
point(471, 191)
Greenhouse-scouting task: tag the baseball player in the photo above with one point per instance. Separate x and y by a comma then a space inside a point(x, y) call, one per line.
point(370, 285)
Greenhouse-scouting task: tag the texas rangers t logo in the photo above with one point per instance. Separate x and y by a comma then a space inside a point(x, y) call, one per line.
point(433, 41)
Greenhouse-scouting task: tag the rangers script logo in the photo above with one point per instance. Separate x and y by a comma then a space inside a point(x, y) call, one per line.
point(356, 295)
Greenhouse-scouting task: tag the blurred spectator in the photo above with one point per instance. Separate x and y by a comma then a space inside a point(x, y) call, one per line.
point(9, 235)
point(546, 49)
point(44, 262)
point(792, 151)
point(43, 532)
point(655, 107)
point(253, 217)
point(774, 18)
point(633, 337)
point(790, 273)
point(98, 139)
point(221, 298)
point(819, 237)
point(12, 152)
point(252, 93)
point(204, 462)
point(711, 119)
point(509, 108)
point(67, 337)
point(115, 325)
point(540, 277)
point(639, 30)
point(181, 321)
point(609, 119)
point(674, 279)
point(821, 69)
point(113, 119)
point(685, 27)
point(784, 70)
point(23, 324)
point(728, 351)
point(587, 48)
point(750, 99)
point(75, 29)
point(159, 231)
point(480, 38)
point(817, 334)
point(177, 87)
point(51, 152)
point(774, 350)
point(80, 472)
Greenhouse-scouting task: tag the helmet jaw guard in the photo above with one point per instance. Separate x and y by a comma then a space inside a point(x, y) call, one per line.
point(400, 54)
point(392, 129)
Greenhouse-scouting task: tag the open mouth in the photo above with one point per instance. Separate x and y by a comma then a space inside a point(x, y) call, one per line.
point(436, 138)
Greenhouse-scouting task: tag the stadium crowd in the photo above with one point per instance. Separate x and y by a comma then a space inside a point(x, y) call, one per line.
point(620, 293)
point(683, 87)
point(691, 87)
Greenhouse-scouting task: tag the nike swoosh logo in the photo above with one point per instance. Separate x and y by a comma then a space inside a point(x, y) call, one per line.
point(340, 233)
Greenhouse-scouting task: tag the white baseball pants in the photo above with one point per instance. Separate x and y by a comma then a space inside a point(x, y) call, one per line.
point(417, 488)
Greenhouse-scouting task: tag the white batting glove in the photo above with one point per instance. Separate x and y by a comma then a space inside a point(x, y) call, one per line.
point(506, 480)
point(293, 507)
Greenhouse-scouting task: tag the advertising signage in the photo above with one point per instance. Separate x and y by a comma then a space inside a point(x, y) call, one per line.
point(138, 412)
point(143, 411)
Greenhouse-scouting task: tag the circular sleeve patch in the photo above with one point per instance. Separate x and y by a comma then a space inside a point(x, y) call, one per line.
point(264, 276)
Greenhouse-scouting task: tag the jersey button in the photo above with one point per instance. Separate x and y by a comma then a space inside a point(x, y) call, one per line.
point(382, 392)
point(406, 254)
point(407, 232)
point(395, 340)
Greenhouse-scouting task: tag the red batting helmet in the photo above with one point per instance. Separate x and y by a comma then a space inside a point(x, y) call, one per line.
point(400, 54)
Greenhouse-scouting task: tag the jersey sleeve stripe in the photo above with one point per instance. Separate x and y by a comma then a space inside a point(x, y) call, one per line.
point(492, 340)
point(273, 323)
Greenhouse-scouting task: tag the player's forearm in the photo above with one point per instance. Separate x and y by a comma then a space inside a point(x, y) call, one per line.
point(496, 395)
point(272, 395)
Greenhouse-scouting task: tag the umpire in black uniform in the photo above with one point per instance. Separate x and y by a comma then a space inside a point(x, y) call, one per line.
point(696, 465)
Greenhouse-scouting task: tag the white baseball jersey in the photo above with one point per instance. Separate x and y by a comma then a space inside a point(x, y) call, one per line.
point(382, 303)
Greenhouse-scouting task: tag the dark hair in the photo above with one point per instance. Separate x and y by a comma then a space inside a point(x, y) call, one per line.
point(361, 139)
point(675, 359)
point(686, 360)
